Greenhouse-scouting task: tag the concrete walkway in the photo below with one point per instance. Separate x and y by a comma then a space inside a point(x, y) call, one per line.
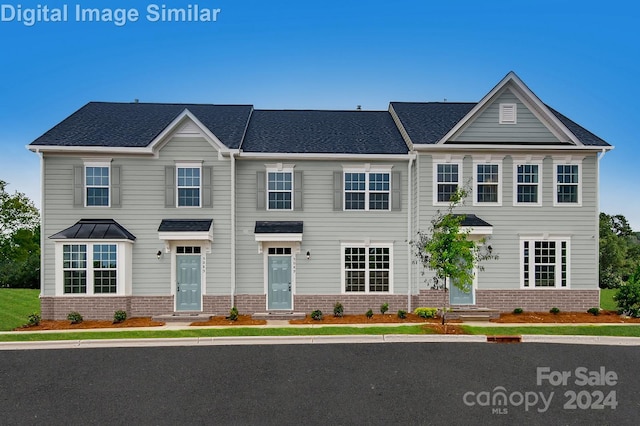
point(290, 340)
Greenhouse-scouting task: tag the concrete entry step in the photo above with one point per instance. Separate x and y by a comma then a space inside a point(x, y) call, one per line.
point(183, 317)
point(471, 313)
point(278, 315)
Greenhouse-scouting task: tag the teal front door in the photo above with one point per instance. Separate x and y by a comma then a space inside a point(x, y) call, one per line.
point(189, 282)
point(279, 292)
point(459, 297)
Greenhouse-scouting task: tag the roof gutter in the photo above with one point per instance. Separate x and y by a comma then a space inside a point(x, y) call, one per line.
point(507, 147)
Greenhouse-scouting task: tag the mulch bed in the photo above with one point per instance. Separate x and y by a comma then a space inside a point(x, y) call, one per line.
point(605, 317)
point(66, 325)
point(375, 319)
point(221, 320)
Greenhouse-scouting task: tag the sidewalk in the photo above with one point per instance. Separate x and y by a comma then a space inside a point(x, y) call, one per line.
point(318, 339)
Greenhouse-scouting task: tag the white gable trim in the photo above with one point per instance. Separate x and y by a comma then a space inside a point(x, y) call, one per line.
point(528, 98)
point(175, 126)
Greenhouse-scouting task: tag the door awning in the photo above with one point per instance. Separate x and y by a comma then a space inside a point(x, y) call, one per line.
point(475, 225)
point(186, 229)
point(278, 231)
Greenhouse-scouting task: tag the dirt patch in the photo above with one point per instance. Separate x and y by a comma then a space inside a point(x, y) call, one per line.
point(375, 319)
point(605, 317)
point(66, 325)
point(221, 320)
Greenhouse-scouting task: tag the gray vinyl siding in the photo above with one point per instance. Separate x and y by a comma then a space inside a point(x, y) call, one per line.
point(509, 222)
point(324, 229)
point(486, 127)
point(142, 183)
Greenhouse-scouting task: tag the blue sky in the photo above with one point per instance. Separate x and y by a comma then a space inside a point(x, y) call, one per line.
point(582, 58)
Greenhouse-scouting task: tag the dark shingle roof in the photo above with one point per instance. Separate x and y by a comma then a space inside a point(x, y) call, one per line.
point(472, 220)
point(339, 132)
point(428, 122)
point(135, 125)
point(279, 227)
point(188, 225)
point(95, 229)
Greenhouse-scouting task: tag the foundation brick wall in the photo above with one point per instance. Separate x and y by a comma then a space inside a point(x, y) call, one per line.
point(91, 308)
point(538, 300)
point(217, 305)
point(146, 306)
point(353, 304)
point(248, 304)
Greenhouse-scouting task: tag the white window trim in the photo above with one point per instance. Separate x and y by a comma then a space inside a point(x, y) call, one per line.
point(367, 170)
point(366, 245)
point(532, 240)
point(123, 274)
point(529, 160)
point(195, 165)
point(103, 163)
point(502, 119)
point(280, 169)
point(445, 160)
point(567, 161)
point(486, 161)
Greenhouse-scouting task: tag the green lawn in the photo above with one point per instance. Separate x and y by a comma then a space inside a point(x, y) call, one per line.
point(214, 332)
point(15, 306)
point(583, 330)
point(606, 299)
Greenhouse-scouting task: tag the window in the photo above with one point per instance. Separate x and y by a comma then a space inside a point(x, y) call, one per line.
point(188, 186)
point(545, 263)
point(75, 268)
point(448, 177)
point(367, 190)
point(280, 190)
point(188, 250)
point(97, 185)
point(279, 251)
point(527, 187)
point(508, 113)
point(105, 268)
point(366, 269)
point(488, 183)
point(103, 272)
point(567, 184)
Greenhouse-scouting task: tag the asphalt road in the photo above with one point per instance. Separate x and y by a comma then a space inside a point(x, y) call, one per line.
point(354, 384)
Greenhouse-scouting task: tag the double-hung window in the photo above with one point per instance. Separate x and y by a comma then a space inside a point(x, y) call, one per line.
point(567, 183)
point(488, 183)
point(367, 190)
point(280, 190)
point(447, 179)
point(188, 185)
point(97, 185)
point(545, 263)
point(82, 276)
point(528, 183)
point(367, 269)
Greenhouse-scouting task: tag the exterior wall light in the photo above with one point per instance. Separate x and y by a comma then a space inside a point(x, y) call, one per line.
point(159, 254)
point(308, 255)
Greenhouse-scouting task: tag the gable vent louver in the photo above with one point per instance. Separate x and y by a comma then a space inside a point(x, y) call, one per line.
point(508, 113)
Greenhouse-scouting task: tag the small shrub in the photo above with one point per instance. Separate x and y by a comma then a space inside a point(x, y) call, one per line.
point(402, 314)
point(384, 308)
point(594, 311)
point(233, 314)
point(369, 313)
point(518, 311)
point(317, 315)
point(554, 310)
point(74, 317)
point(119, 316)
point(34, 319)
point(628, 296)
point(426, 312)
point(338, 310)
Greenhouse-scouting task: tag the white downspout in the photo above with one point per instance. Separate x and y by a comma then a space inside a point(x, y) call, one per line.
point(42, 230)
point(597, 221)
point(233, 229)
point(409, 230)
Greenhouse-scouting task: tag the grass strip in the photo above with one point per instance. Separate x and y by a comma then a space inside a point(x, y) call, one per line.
point(582, 330)
point(606, 299)
point(218, 332)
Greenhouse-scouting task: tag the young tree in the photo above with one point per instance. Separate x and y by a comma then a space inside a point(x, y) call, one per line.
point(19, 240)
point(619, 250)
point(447, 250)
